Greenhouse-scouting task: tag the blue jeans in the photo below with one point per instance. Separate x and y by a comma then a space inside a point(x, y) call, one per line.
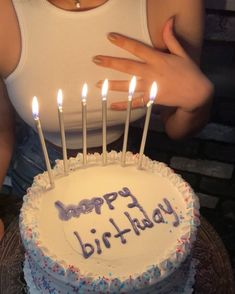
point(28, 161)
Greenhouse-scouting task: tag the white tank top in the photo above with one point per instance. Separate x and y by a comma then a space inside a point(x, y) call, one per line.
point(57, 51)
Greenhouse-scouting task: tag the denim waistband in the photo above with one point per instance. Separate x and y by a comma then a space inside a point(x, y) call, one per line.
point(28, 160)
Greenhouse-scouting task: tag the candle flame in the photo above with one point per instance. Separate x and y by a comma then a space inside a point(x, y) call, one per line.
point(153, 91)
point(35, 107)
point(105, 87)
point(84, 92)
point(59, 98)
point(132, 87)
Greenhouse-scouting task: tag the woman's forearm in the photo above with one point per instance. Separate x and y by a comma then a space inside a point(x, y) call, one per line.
point(7, 133)
point(180, 123)
point(6, 149)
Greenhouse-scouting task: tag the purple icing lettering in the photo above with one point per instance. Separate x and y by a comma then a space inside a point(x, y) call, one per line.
point(134, 222)
point(72, 211)
point(97, 242)
point(147, 223)
point(127, 193)
point(109, 198)
point(105, 237)
point(87, 248)
point(63, 214)
point(120, 233)
point(157, 216)
point(169, 210)
point(66, 213)
point(97, 202)
point(86, 206)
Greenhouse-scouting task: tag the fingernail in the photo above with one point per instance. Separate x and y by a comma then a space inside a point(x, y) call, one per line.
point(172, 20)
point(114, 106)
point(99, 84)
point(117, 106)
point(97, 60)
point(112, 37)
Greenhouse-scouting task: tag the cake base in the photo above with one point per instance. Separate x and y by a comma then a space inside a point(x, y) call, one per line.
point(161, 288)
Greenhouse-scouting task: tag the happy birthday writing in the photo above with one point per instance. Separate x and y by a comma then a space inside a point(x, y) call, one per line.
point(95, 204)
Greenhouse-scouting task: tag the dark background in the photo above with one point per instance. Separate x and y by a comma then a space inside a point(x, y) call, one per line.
point(207, 160)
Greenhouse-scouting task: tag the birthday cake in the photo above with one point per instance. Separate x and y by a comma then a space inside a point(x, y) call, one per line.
point(109, 229)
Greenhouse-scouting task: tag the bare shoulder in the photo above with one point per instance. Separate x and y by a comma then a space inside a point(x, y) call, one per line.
point(189, 22)
point(9, 38)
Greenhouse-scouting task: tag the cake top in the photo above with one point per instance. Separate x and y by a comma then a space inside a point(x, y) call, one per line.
point(110, 224)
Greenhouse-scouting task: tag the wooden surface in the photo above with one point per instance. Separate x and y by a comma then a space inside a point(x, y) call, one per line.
point(214, 274)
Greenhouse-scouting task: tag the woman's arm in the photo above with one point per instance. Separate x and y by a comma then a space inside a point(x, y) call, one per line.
point(182, 86)
point(9, 56)
point(189, 28)
point(6, 132)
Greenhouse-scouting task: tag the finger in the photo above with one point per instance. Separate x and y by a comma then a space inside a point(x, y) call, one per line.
point(121, 64)
point(121, 105)
point(137, 48)
point(170, 40)
point(123, 86)
point(138, 102)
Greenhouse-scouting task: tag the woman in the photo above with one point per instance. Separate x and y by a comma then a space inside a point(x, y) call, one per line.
point(51, 44)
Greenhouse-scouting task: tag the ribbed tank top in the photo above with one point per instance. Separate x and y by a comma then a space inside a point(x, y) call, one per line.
point(57, 51)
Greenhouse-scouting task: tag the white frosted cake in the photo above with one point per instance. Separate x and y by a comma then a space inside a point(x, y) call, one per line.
point(109, 229)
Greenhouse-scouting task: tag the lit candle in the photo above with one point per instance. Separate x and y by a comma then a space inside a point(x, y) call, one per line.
point(35, 110)
point(153, 94)
point(128, 115)
point(62, 131)
point(84, 123)
point(104, 120)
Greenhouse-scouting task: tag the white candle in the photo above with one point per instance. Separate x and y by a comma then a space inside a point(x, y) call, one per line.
point(62, 131)
point(104, 120)
point(128, 115)
point(84, 123)
point(153, 94)
point(35, 111)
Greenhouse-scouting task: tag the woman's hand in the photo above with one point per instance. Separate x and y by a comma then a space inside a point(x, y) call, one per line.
point(181, 83)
